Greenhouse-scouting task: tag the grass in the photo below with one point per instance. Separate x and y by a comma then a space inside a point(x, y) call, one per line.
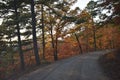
point(110, 63)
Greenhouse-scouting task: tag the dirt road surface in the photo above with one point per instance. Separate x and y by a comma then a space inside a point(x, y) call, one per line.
point(81, 67)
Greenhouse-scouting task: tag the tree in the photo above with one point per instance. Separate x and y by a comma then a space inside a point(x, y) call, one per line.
point(43, 28)
point(58, 10)
point(34, 33)
point(14, 23)
point(112, 10)
point(91, 9)
point(51, 22)
point(18, 34)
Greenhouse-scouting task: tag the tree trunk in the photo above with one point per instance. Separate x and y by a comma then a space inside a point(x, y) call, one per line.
point(87, 42)
point(56, 48)
point(11, 52)
point(53, 45)
point(34, 34)
point(19, 38)
point(52, 38)
point(43, 36)
point(94, 38)
point(100, 44)
point(78, 43)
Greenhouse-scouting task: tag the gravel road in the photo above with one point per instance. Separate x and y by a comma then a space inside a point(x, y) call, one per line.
point(81, 67)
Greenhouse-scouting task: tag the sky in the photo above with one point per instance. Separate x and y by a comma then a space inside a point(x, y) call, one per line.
point(80, 3)
point(1, 21)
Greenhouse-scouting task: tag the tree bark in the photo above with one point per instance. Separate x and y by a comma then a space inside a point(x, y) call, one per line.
point(52, 38)
point(19, 37)
point(53, 45)
point(34, 34)
point(43, 36)
point(87, 42)
point(78, 43)
point(56, 48)
point(94, 38)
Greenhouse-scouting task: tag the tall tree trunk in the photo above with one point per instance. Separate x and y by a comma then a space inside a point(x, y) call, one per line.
point(53, 45)
point(11, 52)
point(112, 41)
point(78, 43)
point(52, 37)
point(100, 44)
point(94, 38)
point(37, 58)
point(87, 42)
point(43, 36)
point(19, 38)
point(56, 48)
point(11, 47)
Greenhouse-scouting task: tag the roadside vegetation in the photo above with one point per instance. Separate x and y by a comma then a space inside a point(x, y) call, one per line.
point(110, 64)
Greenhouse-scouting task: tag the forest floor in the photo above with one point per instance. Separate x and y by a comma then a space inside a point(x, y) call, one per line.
point(81, 67)
point(110, 63)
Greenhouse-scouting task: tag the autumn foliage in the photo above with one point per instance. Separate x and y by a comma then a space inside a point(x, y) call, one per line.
point(66, 33)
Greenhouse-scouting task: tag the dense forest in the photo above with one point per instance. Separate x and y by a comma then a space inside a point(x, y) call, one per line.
point(35, 32)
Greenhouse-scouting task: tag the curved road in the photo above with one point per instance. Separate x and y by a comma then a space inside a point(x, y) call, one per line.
point(82, 67)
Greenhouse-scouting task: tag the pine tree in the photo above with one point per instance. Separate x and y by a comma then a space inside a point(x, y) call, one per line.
point(18, 34)
point(34, 33)
point(91, 9)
